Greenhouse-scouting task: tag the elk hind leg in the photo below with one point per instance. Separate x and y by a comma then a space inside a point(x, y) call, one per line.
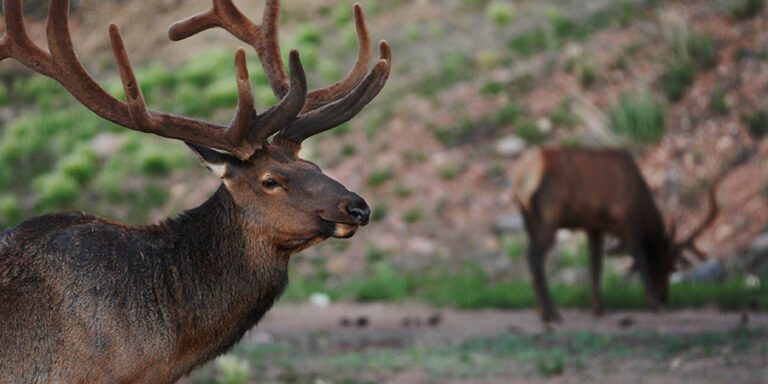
point(540, 240)
point(595, 270)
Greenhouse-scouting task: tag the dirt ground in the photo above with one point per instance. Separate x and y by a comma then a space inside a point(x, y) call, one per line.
point(414, 343)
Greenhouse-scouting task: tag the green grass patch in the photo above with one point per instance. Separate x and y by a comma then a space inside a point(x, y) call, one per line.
point(639, 117)
point(757, 123)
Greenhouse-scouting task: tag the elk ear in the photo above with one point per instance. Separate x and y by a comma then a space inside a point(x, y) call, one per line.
point(216, 161)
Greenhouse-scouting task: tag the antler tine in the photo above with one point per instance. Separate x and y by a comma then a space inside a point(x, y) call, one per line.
point(263, 38)
point(231, 138)
point(340, 111)
point(709, 220)
point(289, 107)
point(320, 97)
point(17, 42)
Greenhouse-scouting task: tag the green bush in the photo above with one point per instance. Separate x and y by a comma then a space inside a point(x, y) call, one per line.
point(3, 95)
point(563, 116)
point(56, 191)
point(309, 34)
point(529, 132)
point(509, 114)
point(757, 123)
point(530, 43)
point(676, 78)
point(747, 9)
point(565, 27)
point(200, 73)
point(155, 162)
point(379, 212)
point(639, 117)
point(79, 165)
point(379, 177)
point(412, 215)
point(10, 210)
point(222, 93)
point(383, 283)
point(702, 51)
point(587, 75)
point(717, 101)
point(501, 13)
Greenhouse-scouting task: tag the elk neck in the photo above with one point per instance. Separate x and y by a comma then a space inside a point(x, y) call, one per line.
point(224, 275)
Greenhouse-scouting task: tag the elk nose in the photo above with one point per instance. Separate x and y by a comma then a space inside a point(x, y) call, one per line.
point(359, 211)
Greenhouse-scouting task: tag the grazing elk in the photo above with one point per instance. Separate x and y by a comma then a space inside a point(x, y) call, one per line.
point(86, 300)
point(603, 192)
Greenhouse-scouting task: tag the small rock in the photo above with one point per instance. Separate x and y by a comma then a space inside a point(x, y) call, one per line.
point(544, 124)
point(626, 322)
point(319, 299)
point(511, 145)
point(510, 223)
point(759, 245)
point(711, 270)
point(435, 320)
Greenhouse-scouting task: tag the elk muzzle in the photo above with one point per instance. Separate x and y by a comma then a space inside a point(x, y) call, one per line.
point(351, 213)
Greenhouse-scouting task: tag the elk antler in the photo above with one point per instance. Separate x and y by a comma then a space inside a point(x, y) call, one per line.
point(689, 241)
point(247, 131)
point(324, 108)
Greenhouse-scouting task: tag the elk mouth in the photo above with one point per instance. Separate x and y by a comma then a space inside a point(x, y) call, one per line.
point(337, 229)
point(344, 231)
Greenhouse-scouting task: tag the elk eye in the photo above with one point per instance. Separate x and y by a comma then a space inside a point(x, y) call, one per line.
point(269, 183)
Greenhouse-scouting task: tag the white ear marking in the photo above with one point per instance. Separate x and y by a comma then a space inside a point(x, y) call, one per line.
point(218, 169)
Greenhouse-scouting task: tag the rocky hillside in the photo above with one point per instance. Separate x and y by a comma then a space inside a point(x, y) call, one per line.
point(475, 82)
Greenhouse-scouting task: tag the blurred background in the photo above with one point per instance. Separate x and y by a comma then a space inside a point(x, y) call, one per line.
point(437, 290)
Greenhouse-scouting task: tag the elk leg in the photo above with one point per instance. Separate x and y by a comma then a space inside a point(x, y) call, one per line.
point(641, 263)
point(540, 239)
point(595, 270)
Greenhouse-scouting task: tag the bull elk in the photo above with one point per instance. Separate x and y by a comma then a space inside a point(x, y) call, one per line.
point(602, 192)
point(85, 299)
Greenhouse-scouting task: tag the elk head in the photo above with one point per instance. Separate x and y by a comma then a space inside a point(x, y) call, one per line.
point(285, 198)
point(674, 252)
point(267, 180)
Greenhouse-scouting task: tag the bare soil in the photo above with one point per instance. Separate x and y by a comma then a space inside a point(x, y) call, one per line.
point(669, 347)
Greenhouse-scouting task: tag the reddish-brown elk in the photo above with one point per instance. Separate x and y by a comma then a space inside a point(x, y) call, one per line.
point(85, 299)
point(601, 191)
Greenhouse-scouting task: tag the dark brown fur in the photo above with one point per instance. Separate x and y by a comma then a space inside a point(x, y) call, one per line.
point(85, 299)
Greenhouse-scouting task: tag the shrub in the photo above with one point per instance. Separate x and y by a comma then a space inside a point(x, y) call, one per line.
point(222, 93)
point(676, 78)
point(509, 114)
point(562, 115)
point(528, 44)
point(79, 165)
point(717, 101)
point(702, 51)
point(587, 75)
point(564, 27)
point(56, 191)
point(748, 9)
point(309, 34)
point(3, 95)
point(529, 132)
point(155, 163)
point(412, 215)
point(10, 210)
point(757, 123)
point(384, 283)
point(379, 212)
point(379, 177)
point(639, 117)
point(501, 13)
